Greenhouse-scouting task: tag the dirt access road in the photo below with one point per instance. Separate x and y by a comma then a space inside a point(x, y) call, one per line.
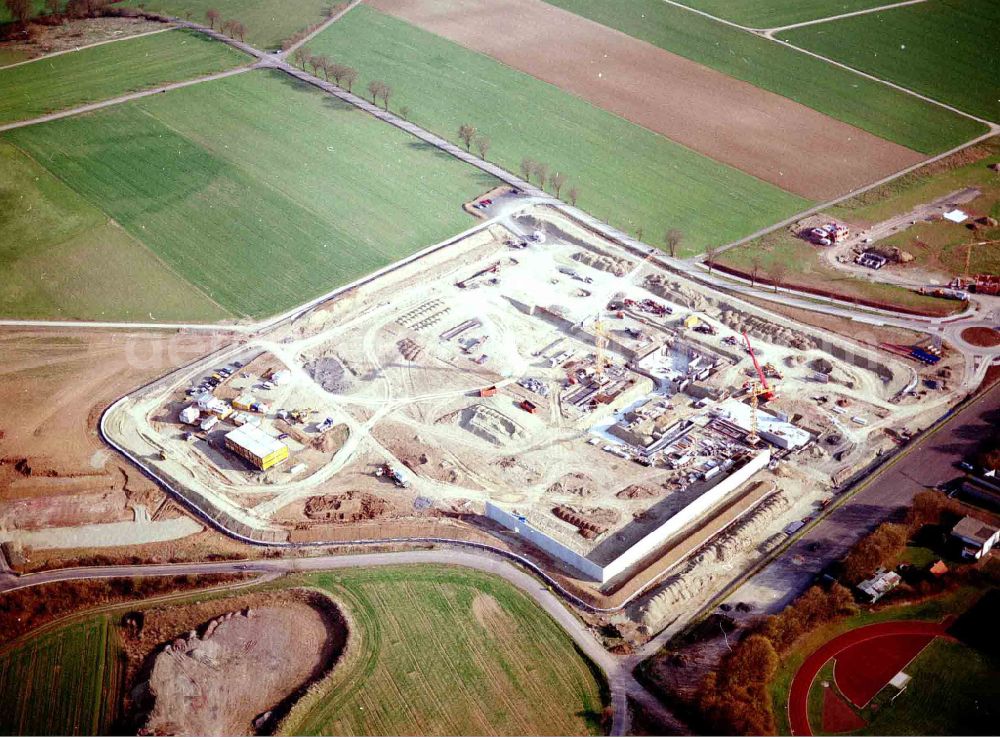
point(763, 134)
point(622, 683)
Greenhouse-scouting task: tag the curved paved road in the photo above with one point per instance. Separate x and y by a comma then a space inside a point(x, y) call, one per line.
point(622, 683)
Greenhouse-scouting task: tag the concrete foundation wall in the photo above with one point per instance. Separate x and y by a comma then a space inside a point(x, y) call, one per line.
point(646, 545)
point(684, 517)
point(540, 539)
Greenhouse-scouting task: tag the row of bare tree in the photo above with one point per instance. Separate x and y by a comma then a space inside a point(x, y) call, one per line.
point(22, 11)
point(232, 27)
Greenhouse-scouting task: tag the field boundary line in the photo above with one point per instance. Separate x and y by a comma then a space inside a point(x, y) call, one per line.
point(43, 57)
point(864, 11)
point(320, 28)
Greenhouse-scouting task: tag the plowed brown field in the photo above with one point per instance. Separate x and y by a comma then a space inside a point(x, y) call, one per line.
point(763, 134)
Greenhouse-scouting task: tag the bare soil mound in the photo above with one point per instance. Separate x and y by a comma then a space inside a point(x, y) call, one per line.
point(236, 673)
point(982, 337)
point(351, 506)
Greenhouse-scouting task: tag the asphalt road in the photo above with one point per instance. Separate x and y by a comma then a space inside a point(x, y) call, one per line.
point(930, 460)
point(618, 671)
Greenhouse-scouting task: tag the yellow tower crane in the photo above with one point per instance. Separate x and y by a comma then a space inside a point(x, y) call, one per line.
point(601, 344)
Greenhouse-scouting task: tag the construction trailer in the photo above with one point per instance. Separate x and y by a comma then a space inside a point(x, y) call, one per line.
point(256, 446)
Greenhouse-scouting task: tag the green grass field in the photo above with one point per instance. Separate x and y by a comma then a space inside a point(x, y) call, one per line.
point(804, 267)
point(836, 92)
point(67, 681)
point(260, 191)
point(948, 50)
point(101, 72)
point(774, 13)
point(443, 650)
point(625, 173)
point(61, 257)
point(268, 22)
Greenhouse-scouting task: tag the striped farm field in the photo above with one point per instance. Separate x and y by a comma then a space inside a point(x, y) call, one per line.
point(257, 214)
point(948, 50)
point(441, 650)
point(625, 173)
point(839, 93)
point(65, 81)
point(774, 13)
point(66, 681)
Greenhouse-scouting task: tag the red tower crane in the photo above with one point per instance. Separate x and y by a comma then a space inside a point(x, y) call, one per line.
point(767, 393)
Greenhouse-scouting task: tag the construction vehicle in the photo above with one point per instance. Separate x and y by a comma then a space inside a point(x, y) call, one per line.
point(394, 475)
point(771, 371)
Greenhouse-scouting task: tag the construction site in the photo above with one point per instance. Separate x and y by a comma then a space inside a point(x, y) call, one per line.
point(552, 391)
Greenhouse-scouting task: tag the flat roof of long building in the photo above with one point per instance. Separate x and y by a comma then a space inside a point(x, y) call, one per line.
point(255, 440)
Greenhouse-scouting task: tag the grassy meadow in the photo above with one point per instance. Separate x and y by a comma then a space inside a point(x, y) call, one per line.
point(441, 650)
point(67, 681)
point(836, 92)
point(268, 22)
point(774, 13)
point(61, 257)
point(625, 174)
point(101, 72)
point(256, 189)
point(948, 50)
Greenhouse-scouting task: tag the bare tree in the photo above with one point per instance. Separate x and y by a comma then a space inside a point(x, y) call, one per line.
point(527, 169)
point(573, 194)
point(212, 16)
point(755, 267)
point(558, 179)
point(777, 273)
point(20, 10)
point(638, 233)
point(386, 93)
point(298, 56)
point(711, 254)
point(337, 71)
point(53, 6)
point(404, 112)
point(374, 88)
point(240, 30)
point(483, 145)
point(326, 64)
point(466, 132)
point(672, 239)
point(226, 27)
point(349, 75)
point(542, 172)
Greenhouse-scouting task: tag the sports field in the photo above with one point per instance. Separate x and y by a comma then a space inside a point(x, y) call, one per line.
point(774, 13)
point(839, 93)
point(101, 72)
point(61, 257)
point(67, 681)
point(268, 22)
point(948, 50)
point(258, 190)
point(624, 172)
point(440, 650)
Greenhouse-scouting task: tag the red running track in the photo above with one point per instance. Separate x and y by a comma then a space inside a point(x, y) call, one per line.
point(798, 694)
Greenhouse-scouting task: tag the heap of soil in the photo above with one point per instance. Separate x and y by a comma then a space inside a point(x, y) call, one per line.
point(578, 484)
point(237, 673)
point(635, 491)
point(351, 506)
point(982, 336)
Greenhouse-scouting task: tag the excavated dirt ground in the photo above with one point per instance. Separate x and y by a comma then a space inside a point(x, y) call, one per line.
point(769, 136)
point(48, 39)
point(214, 667)
point(54, 468)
